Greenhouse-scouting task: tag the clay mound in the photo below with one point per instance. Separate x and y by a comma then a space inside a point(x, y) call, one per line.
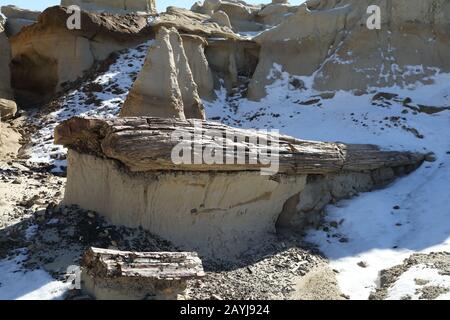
point(47, 55)
point(114, 6)
point(165, 86)
point(330, 41)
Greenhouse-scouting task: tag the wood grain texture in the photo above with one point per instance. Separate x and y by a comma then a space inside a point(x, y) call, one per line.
point(145, 144)
point(152, 265)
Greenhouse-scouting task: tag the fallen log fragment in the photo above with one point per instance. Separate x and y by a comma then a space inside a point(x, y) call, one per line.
point(147, 144)
point(112, 274)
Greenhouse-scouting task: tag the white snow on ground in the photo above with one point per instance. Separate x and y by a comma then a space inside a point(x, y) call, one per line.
point(377, 234)
point(406, 285)
point(75, 104)
point(19, 284)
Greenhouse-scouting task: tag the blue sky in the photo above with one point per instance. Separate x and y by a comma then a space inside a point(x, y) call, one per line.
point(161, 4)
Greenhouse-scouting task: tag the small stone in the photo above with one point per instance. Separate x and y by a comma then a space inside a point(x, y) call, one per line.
point(363, 264)
point(343, 240)
point(430, 157)
point(334, 224)
point(396, 208)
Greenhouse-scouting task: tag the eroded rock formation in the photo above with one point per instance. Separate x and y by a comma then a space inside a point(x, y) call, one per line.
point(114, 6)
point(47, 55)
point(330, 41)
point(18, 18)
point(8, 107)
point(165, 87)
point(190, 22)
point(123, 169)
point(244, 17)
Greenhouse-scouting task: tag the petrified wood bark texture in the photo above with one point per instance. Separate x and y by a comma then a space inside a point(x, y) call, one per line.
point(112, 274)
point(146, 144)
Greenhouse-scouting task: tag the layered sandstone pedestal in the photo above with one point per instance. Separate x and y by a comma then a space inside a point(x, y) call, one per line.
point(123, 169)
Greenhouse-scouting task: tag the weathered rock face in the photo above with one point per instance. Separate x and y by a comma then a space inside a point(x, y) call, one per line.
point(165, 87)
point(114, 6)
point(244, 17)
point(47, 54)
point(123, 169)
point(8, 107)
point(190, 22)
point(232, 59)
point(330, 41)
point(18, 18)
point(194, 47)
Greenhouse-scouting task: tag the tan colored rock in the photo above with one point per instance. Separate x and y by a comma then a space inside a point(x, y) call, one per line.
point(14, 12)
point(219, 214)
point(192, 104)
point(274, 14)
point(165, 86)
point(155, 91)
point(8, 108)
point(190, 22)
point(333, 36)
point(47, 54)
point(221, 18)
point(9, 142)
point(18, 18)
point(194, 47)
point(114, 6)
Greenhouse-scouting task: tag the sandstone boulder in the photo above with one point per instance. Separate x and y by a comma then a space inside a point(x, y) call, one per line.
point(123, 168)
point(47, 55)
point(221, 18)
point(165, 87)
point(330, 41)
point(113, 6)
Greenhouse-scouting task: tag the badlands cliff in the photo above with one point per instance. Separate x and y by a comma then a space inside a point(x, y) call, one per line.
point(330, 41)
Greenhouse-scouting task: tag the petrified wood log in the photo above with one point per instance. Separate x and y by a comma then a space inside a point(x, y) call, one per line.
point(146, 144)
point(112, 274)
